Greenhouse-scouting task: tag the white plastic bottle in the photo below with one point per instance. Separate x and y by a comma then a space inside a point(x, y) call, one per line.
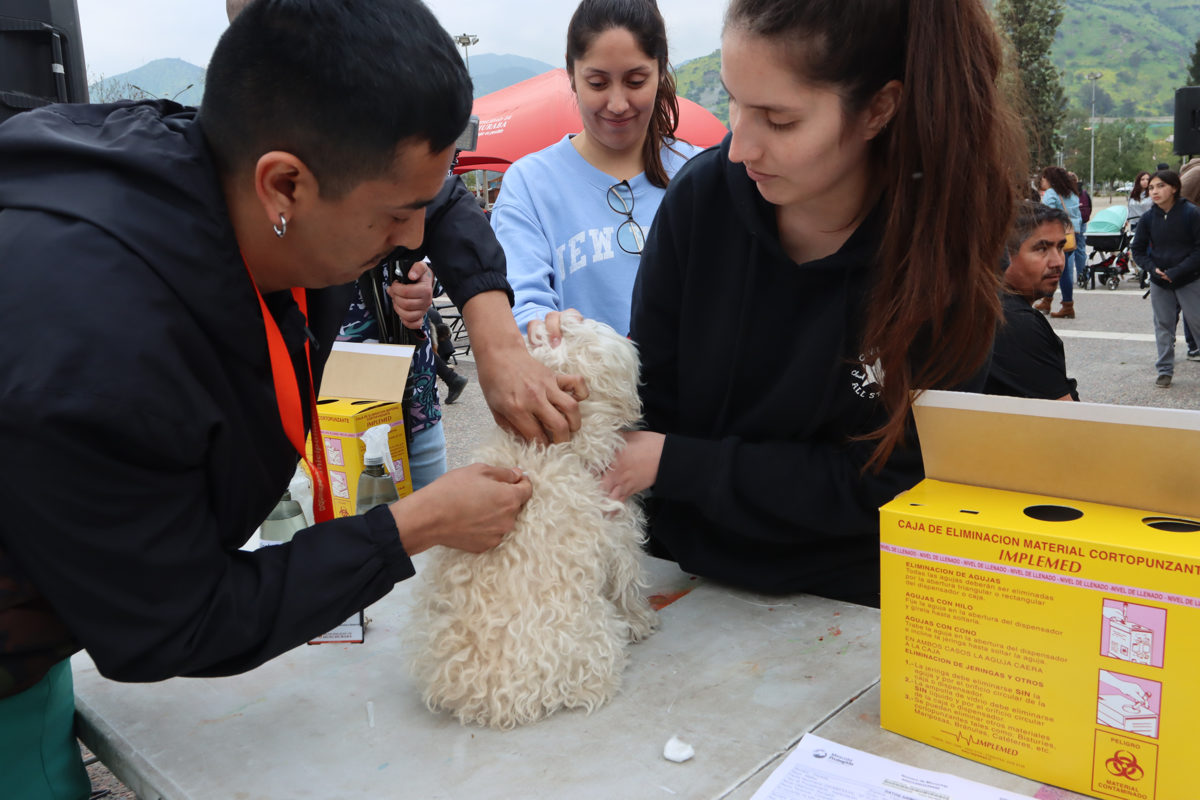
point(375, 485)
point(285, 519)
point(301, 489)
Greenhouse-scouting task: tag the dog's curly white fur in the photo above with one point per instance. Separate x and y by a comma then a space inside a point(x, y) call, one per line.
point(540, 623)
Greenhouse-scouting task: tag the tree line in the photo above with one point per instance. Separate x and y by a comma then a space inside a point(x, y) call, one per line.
point(1054, 136)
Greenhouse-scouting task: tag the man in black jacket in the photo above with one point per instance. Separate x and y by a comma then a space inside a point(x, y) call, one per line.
point(1027, 357)
point(159, 362)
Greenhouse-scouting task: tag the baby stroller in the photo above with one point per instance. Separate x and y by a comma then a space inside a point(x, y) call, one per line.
point(1108, 241)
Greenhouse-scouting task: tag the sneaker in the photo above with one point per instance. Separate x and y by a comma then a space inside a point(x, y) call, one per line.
point(1162, 381)
point(1193, 355)
point(457, 382)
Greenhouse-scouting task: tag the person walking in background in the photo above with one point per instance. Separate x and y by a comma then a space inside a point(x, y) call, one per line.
point(1080, 264)
point(443, 352)
point(1138, 204)
point(815, 225)
point(1167, 244)
point(1059, 191)
point(1189, 182)
point(572, 217)
point(1085, 200)
point(1139, 201)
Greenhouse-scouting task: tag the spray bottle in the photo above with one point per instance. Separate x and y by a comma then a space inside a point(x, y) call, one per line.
point(285, 519)
point(301, 489)
point(292, 513)
point(375, 485)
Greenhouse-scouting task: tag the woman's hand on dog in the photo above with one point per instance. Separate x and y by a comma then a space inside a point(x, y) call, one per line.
point(470, 508)
point(636, 467)
point(552, 322)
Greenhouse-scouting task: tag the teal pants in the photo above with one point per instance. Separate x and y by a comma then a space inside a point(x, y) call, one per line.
point(39, 757)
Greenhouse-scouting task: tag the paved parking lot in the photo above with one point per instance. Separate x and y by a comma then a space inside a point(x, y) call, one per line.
point(1110, 351)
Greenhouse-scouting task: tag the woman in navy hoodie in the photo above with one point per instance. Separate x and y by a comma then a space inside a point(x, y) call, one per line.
point(1167, 246)
point(802, 278)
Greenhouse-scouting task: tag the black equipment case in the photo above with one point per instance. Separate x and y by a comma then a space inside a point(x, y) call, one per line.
point(41, 55)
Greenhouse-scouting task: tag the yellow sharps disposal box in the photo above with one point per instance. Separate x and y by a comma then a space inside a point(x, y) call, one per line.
point(344, 420)
point(363, 386)
point(1041, 593)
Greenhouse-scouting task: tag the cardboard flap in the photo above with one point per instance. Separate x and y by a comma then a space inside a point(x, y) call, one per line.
point(367, 371)
point(1137, 457)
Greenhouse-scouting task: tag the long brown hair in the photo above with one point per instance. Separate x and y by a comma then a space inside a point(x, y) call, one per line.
point(642, 19)
point(1138, 191)
point(935, 285)
point(1060, 181)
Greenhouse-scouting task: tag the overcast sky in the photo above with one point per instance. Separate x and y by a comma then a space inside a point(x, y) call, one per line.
point(120, 35)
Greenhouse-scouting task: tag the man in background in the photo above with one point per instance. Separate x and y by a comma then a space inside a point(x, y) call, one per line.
point(1189, 179)
point(1028, 358)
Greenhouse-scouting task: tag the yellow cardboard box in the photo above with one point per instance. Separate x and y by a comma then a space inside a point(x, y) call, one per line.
point(343, 422)
point(363, 386)
point(1033, 618)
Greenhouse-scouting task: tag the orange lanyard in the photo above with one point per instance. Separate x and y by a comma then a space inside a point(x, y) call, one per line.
point(289, 400)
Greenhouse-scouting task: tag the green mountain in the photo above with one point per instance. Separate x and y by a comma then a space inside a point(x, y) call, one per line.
point(491, 72)
point(699, 80)
point(170, 78)
point(1140, 47)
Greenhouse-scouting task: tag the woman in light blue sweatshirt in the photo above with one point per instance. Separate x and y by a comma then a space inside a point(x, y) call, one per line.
point(572, 218)
point(1059, 191)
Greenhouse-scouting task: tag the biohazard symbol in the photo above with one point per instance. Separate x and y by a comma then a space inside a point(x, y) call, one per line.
point(1124, 764)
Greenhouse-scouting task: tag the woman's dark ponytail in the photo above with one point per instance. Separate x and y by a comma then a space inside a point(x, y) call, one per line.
point(948, 165)
point(663, 122)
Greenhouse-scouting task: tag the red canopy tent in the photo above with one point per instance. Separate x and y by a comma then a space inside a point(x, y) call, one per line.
point(537, 112)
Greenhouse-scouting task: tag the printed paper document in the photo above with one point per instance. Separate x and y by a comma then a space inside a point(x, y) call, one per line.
point(819, 769)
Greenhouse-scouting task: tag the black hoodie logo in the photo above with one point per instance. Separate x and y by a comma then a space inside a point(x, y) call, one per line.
point(867, 378)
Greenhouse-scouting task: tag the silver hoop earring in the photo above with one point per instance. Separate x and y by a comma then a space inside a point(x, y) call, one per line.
point(281, 228)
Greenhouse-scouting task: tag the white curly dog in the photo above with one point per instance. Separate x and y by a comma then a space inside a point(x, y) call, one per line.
point(540, 622)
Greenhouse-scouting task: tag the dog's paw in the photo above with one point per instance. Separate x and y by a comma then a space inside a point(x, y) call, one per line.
point(641, 621)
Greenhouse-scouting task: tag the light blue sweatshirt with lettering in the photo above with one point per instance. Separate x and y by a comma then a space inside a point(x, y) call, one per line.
point(559, 234)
